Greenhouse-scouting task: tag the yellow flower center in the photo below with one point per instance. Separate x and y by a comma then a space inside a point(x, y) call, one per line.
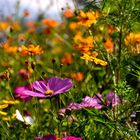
point(48, 92)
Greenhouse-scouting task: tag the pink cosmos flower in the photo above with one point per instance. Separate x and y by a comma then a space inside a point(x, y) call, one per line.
point(46, 88)
point(112, 99)
point(19, 93)
point(53, 137)
point(88, 102)
point(96, 102)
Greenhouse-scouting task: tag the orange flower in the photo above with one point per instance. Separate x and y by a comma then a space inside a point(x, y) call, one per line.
point(73, 25)
point(137, 36)
point(86, 19)
point(79, 76)
point(83, 44)
point(94, 54)
point(132, 40)
point(67, 59)
point(3, 25)
point(83, 48)
point(16, 25)
point(31, 26)
point(109, 45)
point(68, 13)
point(111, 29)
point(50, 22)
point(10, 49)
point(31, 50)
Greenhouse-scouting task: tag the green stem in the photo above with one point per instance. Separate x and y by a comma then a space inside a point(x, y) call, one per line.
point(118, 76)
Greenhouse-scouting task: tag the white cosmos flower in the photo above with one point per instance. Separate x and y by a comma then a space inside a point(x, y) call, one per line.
point(28, 120)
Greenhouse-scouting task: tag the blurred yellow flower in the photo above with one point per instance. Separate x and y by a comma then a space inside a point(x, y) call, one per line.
point(87, 57)
point(3, 25)
point(3, 113)
point(86, 19)
point(8, 118)
point(9, 49)
point(31, 50)
point(16, 25)
point(96, 60)
point(83, 44)
point(132, 40)
point(101, 62)
point(10, 101)
point(2, 106)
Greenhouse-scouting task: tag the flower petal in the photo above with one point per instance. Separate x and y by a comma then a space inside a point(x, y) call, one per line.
point(71, 138)
point(19, 93)
point(35, 94)
point(59, 85)
point(40, 86)
point(113, 99)
point(88, 102)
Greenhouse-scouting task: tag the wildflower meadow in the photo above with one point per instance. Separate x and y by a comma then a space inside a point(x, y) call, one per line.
point(77, 78)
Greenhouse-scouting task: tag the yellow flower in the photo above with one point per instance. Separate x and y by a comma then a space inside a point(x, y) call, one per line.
point(78, 38)
point(3, 106)
point(137, 36)
point(10, 101)
point(9, 49)
point(3, 113)
point(132, 40)
point(83, 44)
point(16, 25)
point(96, 60)
point(3, 25)
point(87, 57)
point(31, 50)
point(86, 19)
point(8, 118)
point(99, 61)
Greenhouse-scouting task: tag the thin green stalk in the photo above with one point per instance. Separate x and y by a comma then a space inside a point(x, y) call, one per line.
point(10, 90)
point(118, 76)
